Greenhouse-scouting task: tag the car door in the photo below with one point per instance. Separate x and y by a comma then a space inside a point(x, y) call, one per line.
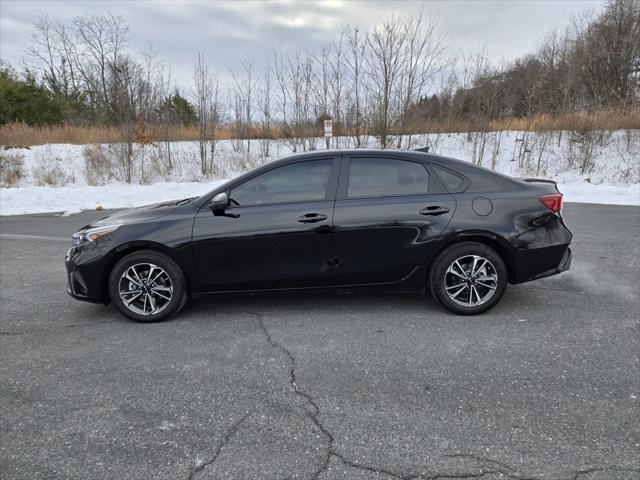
point(275, 234)
point(388, 212)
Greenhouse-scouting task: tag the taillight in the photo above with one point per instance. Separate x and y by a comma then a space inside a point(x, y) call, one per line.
point(553, 201)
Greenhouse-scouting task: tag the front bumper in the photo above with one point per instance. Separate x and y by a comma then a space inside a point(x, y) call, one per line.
point(84, 279)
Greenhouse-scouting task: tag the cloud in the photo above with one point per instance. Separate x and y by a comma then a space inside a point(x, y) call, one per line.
point(226, 31)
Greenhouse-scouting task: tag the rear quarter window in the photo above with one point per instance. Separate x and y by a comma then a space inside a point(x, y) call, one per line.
point(475, 179)
point(488, 181)
point(453, 182)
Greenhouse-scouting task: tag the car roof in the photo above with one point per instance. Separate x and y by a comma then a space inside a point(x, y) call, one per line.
point(475, 173)
point(416, 155)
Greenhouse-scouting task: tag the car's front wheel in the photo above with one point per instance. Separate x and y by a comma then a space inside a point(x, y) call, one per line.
point(468, 278)
point(147, 286)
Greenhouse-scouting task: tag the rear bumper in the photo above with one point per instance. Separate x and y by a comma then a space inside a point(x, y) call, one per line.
point(565, 264)
point(542, 262)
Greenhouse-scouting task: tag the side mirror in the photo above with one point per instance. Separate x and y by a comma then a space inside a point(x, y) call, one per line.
point(219, 203)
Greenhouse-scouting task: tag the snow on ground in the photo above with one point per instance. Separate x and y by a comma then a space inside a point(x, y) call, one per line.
point(76, 198)
point(59, 177)
point(588, 193)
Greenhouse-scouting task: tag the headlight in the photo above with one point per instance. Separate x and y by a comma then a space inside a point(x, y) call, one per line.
point(91, 234)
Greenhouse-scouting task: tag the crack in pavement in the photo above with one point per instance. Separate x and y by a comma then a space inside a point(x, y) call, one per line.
point(504, 468)
point(366, 468)
point(294, 385)
point(586, 471)
point(465, 475)
point(435, 476)
point(199, 467)
point(316, 411)
point(513, 473)
point(497, 467)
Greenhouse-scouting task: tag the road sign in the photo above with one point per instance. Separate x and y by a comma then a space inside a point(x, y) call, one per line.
point(328, 128)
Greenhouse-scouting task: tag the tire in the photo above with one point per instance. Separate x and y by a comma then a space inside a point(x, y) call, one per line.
point(148, 286)
point(461, 290)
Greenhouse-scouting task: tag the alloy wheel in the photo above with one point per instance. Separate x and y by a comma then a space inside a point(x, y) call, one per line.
point(470, 281)
point(145, 289)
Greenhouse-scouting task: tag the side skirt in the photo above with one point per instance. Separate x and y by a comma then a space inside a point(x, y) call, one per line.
point(412, 283)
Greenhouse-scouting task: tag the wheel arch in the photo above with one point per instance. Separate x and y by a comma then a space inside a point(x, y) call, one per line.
point(136, 246)
point(491, 240)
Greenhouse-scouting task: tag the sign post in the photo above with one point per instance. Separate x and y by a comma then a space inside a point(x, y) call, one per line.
point(328, 132)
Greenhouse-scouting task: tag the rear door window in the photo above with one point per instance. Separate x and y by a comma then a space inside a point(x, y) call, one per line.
point(384, 177)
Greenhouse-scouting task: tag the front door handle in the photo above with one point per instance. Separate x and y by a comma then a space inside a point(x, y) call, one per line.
point(312, 218)
point(434, 210)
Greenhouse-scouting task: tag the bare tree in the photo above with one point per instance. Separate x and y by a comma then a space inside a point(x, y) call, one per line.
point(265, 108)
point(321, 86)
point(337, 60)
point(126, 80)
point(608, 52)
point(357, 46)
point(100, 41)
point(43, 50)
point(279, 72)
point(204, 87)
point(294, 76)
point(421, 57)
point(53, 50)
point(384, 59)
point(216, 109)
point(243, 90)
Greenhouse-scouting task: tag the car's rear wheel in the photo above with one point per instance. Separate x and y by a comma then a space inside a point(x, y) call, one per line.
point(468, 278)
point(147, 286)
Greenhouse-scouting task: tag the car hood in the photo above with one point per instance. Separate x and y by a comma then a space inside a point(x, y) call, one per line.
point(138, 214)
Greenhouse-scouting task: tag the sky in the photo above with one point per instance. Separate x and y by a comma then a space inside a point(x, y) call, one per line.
point(227, 31)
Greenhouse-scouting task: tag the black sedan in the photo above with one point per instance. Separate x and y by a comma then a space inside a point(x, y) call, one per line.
point(330, 219)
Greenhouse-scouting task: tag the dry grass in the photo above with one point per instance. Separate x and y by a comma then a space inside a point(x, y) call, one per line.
point(21, 135)
point(98, 166)
point(602, 120)
point(51, 175)
point(48, 170)
point(11, 169)
point(18, 135)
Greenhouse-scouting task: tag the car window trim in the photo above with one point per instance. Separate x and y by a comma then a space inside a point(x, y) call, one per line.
point(330, 192)
point(343, 187)
point(272, 204)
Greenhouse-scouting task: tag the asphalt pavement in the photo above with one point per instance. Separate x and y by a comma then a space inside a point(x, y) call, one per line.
point(327, 386)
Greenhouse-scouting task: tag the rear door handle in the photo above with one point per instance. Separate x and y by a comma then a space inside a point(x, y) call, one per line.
point(312, 217)
point(434, 210)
